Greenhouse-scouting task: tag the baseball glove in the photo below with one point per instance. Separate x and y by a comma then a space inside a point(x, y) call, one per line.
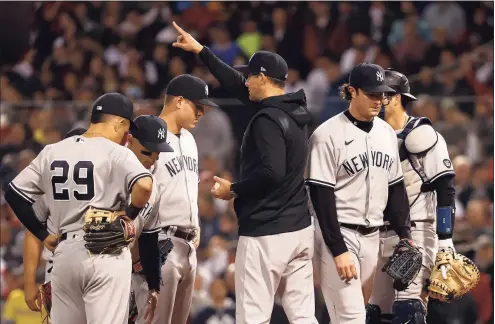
point(452, 276)
point(46, 297)
point(107, 231)
point(165, 247)
point(404, 264)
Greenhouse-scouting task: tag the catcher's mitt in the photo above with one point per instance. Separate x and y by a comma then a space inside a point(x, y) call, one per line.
point(165, 247)
point(452, 276)
point(46, 297)
point(404, 264)
point(107, 231)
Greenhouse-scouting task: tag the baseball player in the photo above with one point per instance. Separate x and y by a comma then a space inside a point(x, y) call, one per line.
point(354, 175)
point(428, 177)
point(276, 234)
point(33, 248)
point(178, 176)
point(75, 174)
point(147, 141)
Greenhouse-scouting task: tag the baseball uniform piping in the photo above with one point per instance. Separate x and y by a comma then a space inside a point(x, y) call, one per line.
point(441, 174)
point(320, 183)
point(399, 179)
point(136, 178)
point(21, 194)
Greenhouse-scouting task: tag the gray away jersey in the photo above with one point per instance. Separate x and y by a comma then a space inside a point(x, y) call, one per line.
point(147, 220)
point(427, 168)
point(178, 176)
point(360, 167)
point(79, 172)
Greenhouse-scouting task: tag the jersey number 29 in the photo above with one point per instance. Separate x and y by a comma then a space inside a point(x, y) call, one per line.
point(63, 191)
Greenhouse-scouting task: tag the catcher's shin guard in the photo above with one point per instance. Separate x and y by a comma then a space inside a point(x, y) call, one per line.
point(374, 315)
point(410, 311)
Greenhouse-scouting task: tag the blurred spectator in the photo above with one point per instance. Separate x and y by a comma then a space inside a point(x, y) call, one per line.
point(294, 82)
point(426, 83)
point(200, 296)
point(410, 51)
point(208, 219)
point(408, 11)
point(361, 51)
point(449, 15)
point(15, 309)
point(221, 309)
point(222, 45)
point(213, 135)
point(381, 21)
point(463, 187)
point(250, 39)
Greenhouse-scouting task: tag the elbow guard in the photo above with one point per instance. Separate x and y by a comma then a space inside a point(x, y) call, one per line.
point(445, 216)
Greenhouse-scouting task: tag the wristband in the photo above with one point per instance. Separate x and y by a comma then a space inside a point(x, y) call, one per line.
point(444, 220)
point(132, 211)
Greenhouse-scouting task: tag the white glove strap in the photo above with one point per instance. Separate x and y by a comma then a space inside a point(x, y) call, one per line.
point(445, 244)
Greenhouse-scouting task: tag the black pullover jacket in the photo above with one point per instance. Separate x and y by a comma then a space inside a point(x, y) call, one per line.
point(271, 195)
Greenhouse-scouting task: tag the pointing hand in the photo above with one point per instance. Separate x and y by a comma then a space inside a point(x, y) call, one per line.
point(186, 41)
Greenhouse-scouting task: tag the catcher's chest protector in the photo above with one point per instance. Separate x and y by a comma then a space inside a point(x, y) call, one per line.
point(412, 164)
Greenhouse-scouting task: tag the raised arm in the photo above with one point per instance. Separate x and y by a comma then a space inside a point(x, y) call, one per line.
point(230, 79)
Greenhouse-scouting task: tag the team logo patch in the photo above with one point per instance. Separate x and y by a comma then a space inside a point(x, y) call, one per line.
point(379, 76)
point(161, 133)
point(447, 163)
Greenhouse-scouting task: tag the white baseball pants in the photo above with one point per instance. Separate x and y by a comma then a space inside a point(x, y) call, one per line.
point(346, 301)
point(269, 264)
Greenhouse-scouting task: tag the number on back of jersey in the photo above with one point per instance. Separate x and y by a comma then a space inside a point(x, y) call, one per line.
point(72, 181)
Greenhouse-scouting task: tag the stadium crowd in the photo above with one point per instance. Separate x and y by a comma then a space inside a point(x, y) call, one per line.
point(81, 50)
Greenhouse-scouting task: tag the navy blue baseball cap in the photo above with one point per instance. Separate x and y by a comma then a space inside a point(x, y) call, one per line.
point(115, 104)
point(270, 64)
point(399, 83)
point(369, 77)
point(151, 132)
point(191, 88)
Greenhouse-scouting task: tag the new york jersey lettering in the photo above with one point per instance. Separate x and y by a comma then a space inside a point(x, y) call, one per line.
point(181, 163)
point(360, 162)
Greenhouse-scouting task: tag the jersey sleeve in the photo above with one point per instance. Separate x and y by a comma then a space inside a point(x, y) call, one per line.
point(150, 212)
point(28, 184)
point(437, 162)
point(129, 167)
point(41, 210)
point(395, 175)
point(322, 162)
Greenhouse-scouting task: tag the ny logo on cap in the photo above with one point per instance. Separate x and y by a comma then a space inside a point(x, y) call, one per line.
point(99, 107)
point(161, 133)
point(379, 76)
point(206, 90)
point(263, 69)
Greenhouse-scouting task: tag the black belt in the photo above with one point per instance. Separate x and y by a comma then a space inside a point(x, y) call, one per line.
point(385, 228)
point(188, 236)
point(362, 229)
